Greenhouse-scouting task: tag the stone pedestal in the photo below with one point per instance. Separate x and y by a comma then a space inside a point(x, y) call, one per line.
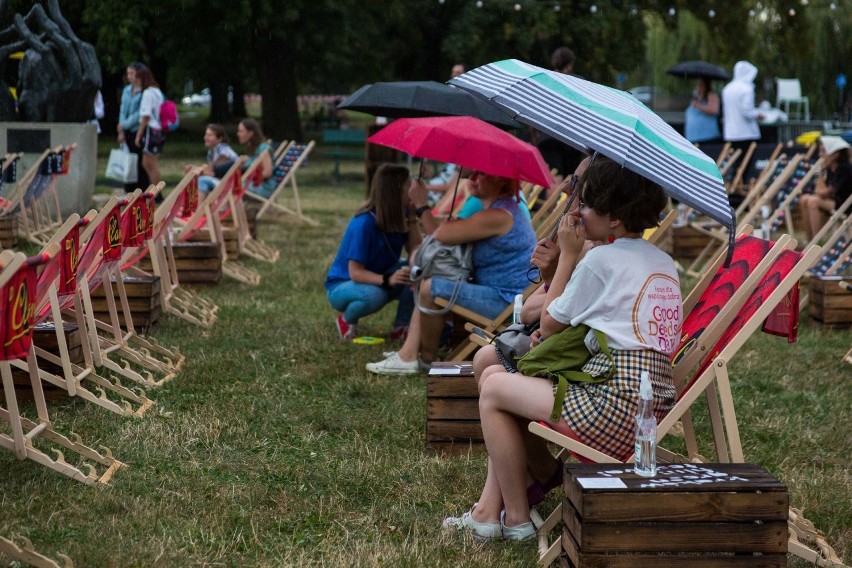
point(32, 138)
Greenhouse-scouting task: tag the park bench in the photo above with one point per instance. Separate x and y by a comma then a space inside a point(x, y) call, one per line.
point(340, 139)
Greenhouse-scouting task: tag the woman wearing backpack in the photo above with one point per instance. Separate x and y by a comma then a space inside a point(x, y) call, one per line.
point(503, 241)
point(150, 137)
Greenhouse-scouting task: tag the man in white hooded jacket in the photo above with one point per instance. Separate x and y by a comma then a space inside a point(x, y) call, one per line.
point(740, 114)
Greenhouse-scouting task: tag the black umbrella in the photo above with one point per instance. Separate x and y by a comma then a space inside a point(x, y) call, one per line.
point(416, 99)
point(696, 69)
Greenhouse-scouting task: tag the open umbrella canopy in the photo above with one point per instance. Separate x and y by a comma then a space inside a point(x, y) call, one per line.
point(467, 142)
point(696, 69)
point(587, 115)
point(410, 99)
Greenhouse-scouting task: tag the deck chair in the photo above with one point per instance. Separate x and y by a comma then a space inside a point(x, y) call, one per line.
point(40, 214)
point(768, 185)
point(737, 182)
point(847, 285)
point(15, 185)
point(207, 217)
point(290, 162)
point(27, 553)
point(122, 352)
point(801, 182)
point(136, 227)
point(280, 150)
point(177, 301)
point(723, 312)
point(8, 175)
point(248, 245)
point(57, 291)
point(17, 306)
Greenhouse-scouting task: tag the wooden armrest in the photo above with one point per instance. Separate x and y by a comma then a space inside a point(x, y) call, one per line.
point(569, 444)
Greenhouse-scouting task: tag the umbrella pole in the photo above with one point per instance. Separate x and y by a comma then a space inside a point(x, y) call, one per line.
point(455, 192)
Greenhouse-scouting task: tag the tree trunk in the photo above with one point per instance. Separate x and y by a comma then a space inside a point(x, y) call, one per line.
point(218, 100)
point(239, 106)
point(111, 92)
point(276, 69)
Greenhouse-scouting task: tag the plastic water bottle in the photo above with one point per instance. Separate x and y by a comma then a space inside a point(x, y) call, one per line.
point(516, 311)
point(645, 451)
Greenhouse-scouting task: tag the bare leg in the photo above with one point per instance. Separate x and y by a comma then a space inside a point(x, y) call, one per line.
point(430, 326)
point(484, 358)
point(490, 501)
point(151, 163)
point(411, 347)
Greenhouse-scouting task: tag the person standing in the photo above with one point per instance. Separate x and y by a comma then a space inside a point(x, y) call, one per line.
point(701, 121)
point(150, 137)
point(128, 122)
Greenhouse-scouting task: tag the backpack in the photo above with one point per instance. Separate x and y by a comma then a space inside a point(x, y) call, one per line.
point(434, 258)
point(169, 115)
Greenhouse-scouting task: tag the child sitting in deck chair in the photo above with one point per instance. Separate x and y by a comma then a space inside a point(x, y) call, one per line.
point(220, 157)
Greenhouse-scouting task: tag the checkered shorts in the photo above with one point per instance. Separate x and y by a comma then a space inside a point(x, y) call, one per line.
point(602, 414)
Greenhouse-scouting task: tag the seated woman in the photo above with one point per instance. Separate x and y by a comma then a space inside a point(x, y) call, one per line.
point(833, 184)
point(453, 199)
point(367, 272)
point(628, 290)
point(220, 157)
point(503, 241)
point(250, 134)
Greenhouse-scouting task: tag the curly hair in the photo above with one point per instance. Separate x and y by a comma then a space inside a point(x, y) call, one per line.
point(611, 189)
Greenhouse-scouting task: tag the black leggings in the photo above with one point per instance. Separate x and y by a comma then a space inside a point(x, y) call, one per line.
point(142, 180)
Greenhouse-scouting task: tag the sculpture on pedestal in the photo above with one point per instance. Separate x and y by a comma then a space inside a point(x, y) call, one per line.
point(59, 74)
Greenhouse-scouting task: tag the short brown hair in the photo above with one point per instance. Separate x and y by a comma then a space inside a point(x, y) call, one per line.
point(218, 131)
point(611, 189)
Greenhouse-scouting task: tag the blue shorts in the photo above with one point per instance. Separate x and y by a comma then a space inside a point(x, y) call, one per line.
point(481, 299)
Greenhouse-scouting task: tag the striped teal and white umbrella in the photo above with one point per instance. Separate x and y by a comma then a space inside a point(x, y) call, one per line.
point(588, 115)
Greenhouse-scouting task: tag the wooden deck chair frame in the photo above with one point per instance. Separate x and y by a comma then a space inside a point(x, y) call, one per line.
point(547, 206)
point(109, 336)
point(737, 182)
point(49, 306)
point(207, 217)
point(711, 378)
point(106, 339)
point(281, 150)
point(41, 215)
point(248, 245)
point(7, 204)
point(27, 553)
point(175, 300)
point(14, 203)
point(271, 204)
point(26, 431)
point(761, 192)
point(785, 207)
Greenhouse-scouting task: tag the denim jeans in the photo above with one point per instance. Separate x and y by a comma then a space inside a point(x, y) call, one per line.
point(207, 183)
point(357, 300)
point(481, 299)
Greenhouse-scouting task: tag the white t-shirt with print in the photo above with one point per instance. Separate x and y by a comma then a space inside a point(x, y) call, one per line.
point(152, 98)
point(630, 291)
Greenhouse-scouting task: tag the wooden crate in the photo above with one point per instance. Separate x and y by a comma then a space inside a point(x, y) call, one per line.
point(251, 210)
point(9, 232)
point(452, 409)
point(232, 245)
point(704, 515)
point(197, 263)
point(44, 337)
point(687, 242)
point(143, 296)
point(828, 303)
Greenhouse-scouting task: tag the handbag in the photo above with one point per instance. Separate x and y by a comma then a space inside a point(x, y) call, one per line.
point(122, 166)
point(436, 259)
point(561, 357)
point(513, 343)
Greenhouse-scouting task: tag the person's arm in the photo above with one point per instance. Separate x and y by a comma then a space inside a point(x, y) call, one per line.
point(143, 124)
point(711, 107)
point(415, 237)
point(531, 310)
point(482, 225)
point(266, 164)
point(747, 106)
point(357, 273)
point(571, 238)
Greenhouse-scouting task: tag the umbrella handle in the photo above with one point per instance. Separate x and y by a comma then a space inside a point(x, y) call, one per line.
point(455, 192)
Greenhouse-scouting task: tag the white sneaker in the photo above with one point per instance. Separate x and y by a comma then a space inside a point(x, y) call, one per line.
point(480, 531)
point(393, 365)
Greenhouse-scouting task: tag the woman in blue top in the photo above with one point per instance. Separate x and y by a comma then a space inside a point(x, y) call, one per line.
point(128, 122)
point(503, 243)
point(701, 123)
point(250, 134)
point(367, 272)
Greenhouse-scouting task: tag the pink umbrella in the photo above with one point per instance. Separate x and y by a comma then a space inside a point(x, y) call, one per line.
point(467, 142)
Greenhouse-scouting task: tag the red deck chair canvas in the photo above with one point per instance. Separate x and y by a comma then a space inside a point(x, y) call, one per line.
point(56, 291)
point(759, 289)
point(40, 213)
point(182, 201)
point(207, 217)
point(32, 439)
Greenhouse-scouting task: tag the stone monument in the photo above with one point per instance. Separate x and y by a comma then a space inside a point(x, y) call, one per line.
point(58, 79)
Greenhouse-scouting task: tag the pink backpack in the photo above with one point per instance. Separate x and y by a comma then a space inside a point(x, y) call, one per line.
point(169, 115)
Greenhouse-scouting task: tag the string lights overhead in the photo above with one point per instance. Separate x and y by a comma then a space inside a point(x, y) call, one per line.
point(593, 8)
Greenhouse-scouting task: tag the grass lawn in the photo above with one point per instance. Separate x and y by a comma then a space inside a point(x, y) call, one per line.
point(275, 447)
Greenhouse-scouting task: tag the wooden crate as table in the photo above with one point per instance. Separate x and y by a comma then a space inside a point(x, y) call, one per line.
point(143, 296)
point(197, 263)
point(452, 408)
point(232, 244)
point(828, 303)
point(689, 515)
point(8, 232)
point(44, 337)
